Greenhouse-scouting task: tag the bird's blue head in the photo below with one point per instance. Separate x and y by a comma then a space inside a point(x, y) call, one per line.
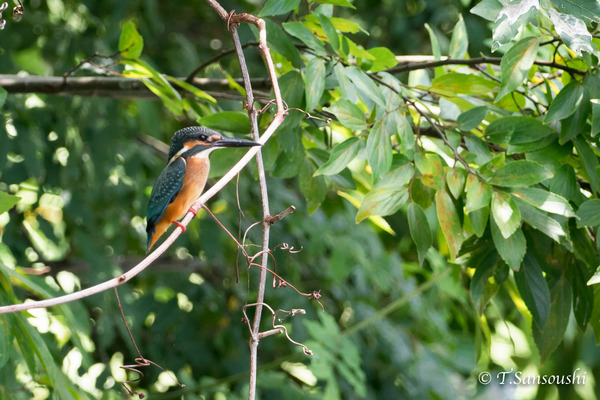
point(194, 139)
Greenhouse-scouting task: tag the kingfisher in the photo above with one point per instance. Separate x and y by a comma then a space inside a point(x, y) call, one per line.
point(184, 177)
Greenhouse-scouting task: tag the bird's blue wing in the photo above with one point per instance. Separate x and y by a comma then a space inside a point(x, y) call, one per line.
point(165, 190)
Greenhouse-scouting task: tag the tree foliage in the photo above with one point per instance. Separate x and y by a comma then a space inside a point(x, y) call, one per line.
point(447, 208)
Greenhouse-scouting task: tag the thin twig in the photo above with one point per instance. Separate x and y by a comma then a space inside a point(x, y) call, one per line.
point(474, 61)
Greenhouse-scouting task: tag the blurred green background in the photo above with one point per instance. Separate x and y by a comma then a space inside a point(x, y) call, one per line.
point(84, 170)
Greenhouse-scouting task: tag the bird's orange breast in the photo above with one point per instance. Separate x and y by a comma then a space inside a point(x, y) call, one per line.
point(196, 172)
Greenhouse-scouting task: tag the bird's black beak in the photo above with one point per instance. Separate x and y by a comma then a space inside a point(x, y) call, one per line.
point(234, 142)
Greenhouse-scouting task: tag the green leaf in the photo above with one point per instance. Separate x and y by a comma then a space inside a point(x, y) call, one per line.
point(278, 7)
point(379, 150)
point(300, 31)
point(583, 295)
point(384, 59)
point(511, 18)
point(517, 130)
point(330, 32)
point(365, 85)
point(479, 194)
point(292, 89)
point(471, 119)
point(345, 25)
point(314, 188)
point(506, 213)
point(435, 49)
point(388, 195)
point(544, 223)
point(566, 102)
point(459, 43)
point(7, 201)
point(595, 278)
point(349, 114)
point(534, 289)
point(3, 94)
point(229, 121)
point(590, 162)
point(479, 148)
point(430, 167)
point(487, 9)
point(131, 42)
point(520, 173)
point(419, 230)
point(479, 219)
point(449, 222)
point(341, 155)
point(345, 85)
point(193, 89)
point(453, 82)
point(589, 213)
point(315, 82)
point(515, 65)
point(6, 340)
point(344, 179)
point(575, 123)
point(343, 3)
point(512, 249)
point(549, 335)
point(545, 200)
point(455, 179)
point(572, 31)
point(398, 123)
point(281, 43)
point(482, 289)
point(586, 10)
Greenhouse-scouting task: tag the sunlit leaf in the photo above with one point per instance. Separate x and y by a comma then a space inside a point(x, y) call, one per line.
point(449, 222)
point(479, 194)
point(131, 42)
point(459, 43)
point(455, 179)
point(572, 31)
point(511, 18)
point(544, 200)
point(453, 82)
point(330, 32)
point(384, 59)
point(520, 173)
point(388, 195)
point(511, 249)
point(7, 201)
point(379, 150)
point(430, 167)
point(506, 213)
point(516, 63)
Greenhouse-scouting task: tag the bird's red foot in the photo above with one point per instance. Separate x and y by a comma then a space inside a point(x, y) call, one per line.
point(179, 224)
point(193, 211)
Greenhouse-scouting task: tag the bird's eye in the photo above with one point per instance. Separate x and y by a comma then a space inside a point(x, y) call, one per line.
point(203, 138)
